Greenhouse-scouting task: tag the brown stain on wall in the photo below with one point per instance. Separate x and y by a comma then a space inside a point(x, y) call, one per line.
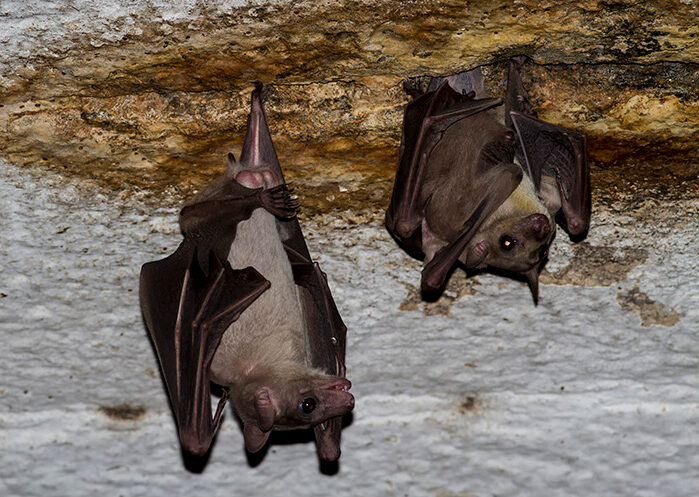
point(650, 311)
point(458, 286)
point(123, 412)
point(595, 266)
point(469, 405)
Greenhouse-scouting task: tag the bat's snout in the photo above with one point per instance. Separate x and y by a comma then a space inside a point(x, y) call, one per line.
point(342, 398)
point(539, 226)
point(348, 401)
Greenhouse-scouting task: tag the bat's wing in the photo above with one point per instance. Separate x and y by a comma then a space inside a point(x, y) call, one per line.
point(326, 339)
point(211, 224)
point(424, 122)
point(187, 310)
point(190, 298)
point(493, 179)
point(435, 272)
point(325, 331)
point(557, 152)
point(551, 150)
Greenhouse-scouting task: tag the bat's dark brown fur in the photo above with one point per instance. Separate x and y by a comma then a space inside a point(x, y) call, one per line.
point(483, 188)
point(270, 335)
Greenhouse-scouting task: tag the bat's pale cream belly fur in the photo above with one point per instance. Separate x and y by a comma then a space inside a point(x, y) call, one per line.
point(270, 332)
point(523, 201)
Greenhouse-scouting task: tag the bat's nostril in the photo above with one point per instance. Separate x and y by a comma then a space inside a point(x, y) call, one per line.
point(539, 225)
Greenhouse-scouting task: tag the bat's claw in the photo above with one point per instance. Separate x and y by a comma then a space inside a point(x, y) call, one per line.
point(280, 201)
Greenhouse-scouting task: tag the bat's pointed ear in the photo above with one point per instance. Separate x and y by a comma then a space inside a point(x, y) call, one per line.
point(533, 280)
point(255, 438)
point(256, 434)
point(264, 407)
point(475, 258)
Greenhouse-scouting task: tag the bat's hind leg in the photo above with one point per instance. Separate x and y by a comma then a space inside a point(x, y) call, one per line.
point(258, 178)
point(517, 98)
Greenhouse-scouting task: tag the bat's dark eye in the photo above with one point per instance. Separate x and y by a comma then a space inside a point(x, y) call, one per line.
point(507, 242)
point(308, 405)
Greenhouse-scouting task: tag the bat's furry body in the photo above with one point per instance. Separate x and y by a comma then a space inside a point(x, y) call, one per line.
point(482, 186)
point(271, 330)
point(443, 183)
point(265, 347)
point(241, 303)
point(270, 333)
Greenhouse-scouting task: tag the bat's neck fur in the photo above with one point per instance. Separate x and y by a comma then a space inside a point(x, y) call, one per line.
point(267, 340)
point(523, 199)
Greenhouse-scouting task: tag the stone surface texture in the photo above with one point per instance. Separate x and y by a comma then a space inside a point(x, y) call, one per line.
point(140, 93)
point(111, 114)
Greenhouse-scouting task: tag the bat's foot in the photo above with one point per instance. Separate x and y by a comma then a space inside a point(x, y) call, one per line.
point(280, 201)
point(258, 178)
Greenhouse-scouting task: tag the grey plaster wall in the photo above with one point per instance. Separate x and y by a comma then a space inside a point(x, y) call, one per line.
point(594, 391)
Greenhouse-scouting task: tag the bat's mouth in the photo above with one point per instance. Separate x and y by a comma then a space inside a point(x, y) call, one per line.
point(336, 384)
point(332, 392)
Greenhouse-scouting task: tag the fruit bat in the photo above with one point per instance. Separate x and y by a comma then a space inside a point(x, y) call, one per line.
point(241, 303)
point(484, 188)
